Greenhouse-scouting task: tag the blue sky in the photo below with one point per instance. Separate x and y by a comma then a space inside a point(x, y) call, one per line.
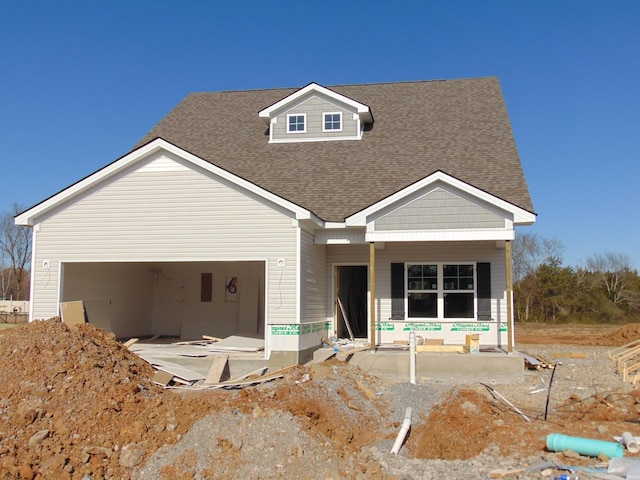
point(81, 82)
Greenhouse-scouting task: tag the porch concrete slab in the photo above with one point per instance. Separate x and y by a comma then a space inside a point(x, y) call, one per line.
point(493, 367)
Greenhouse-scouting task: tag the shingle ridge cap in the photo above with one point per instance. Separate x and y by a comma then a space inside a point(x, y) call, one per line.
point(276, 89)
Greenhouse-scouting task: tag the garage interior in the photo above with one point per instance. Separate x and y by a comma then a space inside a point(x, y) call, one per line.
point(176, 299)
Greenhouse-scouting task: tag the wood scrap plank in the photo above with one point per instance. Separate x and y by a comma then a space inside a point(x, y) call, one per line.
point(346, 320)
point(130, 342)
point(577, 355)
point(243, 383)
point(631, 352)
point(616, 351)
point(219, 370)
point(213, 339)
point(345, 355)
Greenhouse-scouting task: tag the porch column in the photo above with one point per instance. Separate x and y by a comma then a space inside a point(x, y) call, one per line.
point(372, 293)
point(509, 298)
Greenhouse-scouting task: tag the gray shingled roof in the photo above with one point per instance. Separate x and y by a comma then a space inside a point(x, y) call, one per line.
point(458, 126)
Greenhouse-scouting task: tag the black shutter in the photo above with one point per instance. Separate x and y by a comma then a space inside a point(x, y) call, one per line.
point(397, 291)
point(483, 271)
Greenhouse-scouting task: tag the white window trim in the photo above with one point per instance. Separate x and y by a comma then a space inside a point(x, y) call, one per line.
point(440, 291)
point(324, 122)
point(304, 116)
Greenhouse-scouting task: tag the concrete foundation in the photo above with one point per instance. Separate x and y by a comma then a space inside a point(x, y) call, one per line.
point(494, 367)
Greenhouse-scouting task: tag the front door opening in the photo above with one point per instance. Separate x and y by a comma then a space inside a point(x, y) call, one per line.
point(351, 289)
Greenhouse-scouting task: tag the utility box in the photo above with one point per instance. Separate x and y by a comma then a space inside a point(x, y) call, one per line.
point(472, 344)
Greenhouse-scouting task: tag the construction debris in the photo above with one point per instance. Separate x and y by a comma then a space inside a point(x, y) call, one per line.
point(536, 362)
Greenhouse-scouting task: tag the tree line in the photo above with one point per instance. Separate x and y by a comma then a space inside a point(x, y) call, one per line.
point(606, 289)
point(15, 257)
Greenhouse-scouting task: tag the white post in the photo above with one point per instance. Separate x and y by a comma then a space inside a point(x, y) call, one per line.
point(412, 356)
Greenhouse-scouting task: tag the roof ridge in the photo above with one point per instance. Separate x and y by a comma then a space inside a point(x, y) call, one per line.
point(398, 82)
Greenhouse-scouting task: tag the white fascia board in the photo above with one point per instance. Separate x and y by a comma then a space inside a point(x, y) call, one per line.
point(439, 236)
point(28, 217)
point(363, 110)
point(520, 215)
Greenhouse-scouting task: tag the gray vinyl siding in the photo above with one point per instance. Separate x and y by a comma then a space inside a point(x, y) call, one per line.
point(168, 214)
point(454, 252)
point(313, 266)
point(440, 210)
point(314, 108)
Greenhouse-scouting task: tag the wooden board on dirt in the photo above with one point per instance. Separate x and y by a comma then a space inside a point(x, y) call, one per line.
point(219, 370)
point(72, 313)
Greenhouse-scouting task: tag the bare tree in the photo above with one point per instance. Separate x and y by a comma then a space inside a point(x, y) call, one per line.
point(15, 245)
point(529, 251)
point(616, 275)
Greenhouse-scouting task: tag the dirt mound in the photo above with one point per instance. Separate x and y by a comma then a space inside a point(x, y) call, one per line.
point(621, 336)
point(72, 398)
point(75, 402)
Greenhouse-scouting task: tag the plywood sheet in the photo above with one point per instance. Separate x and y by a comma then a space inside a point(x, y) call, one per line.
point(237, 343)
point(72, 313)
point(173, 368)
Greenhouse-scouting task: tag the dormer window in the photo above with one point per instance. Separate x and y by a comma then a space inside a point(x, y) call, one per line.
point(332, 122)
point(296, 123)
point(316, 114)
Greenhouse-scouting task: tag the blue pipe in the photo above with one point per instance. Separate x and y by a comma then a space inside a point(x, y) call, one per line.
point(584, 446)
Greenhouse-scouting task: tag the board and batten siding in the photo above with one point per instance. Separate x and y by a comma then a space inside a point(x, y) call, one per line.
point(437, 252)
point(314, 108)
point(163, 210)
point(440, 210)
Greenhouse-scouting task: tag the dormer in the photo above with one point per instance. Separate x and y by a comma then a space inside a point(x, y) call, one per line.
point(315, 114)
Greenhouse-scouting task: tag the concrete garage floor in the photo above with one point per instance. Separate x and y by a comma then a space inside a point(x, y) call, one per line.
point(487, 366)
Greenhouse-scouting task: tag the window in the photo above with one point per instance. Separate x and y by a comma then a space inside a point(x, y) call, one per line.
point(296, 123)
point(441, 291)
point(332, 122)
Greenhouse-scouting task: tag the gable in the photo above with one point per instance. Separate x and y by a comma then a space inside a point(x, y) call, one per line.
point(157, 157)
point(315, 108)
point(440, 209)
point(315, 113)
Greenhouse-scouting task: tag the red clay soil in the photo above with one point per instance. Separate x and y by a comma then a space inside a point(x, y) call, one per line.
point(571, 334)
point(467, 421)
point(72, 398)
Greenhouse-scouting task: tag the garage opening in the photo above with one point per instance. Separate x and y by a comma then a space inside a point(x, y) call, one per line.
point(178, 299)
point(351, 292)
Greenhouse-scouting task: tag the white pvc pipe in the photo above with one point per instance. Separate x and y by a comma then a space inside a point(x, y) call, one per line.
point(404, 429)
point(629, 441)
point(412, 357)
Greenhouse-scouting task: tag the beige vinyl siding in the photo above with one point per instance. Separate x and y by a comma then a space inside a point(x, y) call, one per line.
point(313, 266)
point(454, 252)
point(170, 215)
point(314, 108)
point(440, 210)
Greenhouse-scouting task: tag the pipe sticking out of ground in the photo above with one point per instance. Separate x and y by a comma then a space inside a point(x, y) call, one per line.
point(412, 357)
point(402, 434)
